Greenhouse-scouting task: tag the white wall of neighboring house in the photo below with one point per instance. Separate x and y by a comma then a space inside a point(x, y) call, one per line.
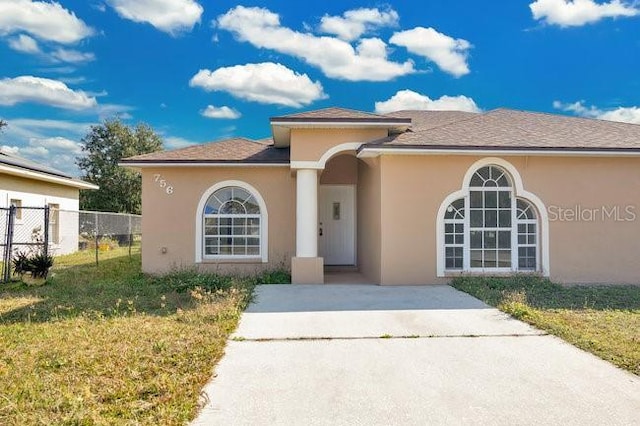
point(63, 232)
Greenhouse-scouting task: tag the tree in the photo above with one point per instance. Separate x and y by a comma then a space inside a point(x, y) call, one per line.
point(2, 124)
point(102, 148)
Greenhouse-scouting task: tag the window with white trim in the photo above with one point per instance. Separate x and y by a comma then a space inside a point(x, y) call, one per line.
point(490, 219)
point(454, 235)
point(527, 235)
point(232, 224)
point(490, 229)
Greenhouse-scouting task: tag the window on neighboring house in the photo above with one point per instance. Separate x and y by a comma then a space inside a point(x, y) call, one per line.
point(18, 205)
point(489, 229)
point(232, 224)
point(54, 223)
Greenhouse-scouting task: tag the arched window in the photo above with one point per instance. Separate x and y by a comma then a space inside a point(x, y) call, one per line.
point(527, 221)
point(454, 235)
point(232, 224)
point(490, 219)
point(489, 228)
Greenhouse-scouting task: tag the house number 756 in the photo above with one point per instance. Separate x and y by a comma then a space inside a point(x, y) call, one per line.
point(162, 183)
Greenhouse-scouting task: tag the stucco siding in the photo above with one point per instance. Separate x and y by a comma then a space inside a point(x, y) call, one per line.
point(602, 246)
point(369, 220)
point(311, 144)
point(169, 220)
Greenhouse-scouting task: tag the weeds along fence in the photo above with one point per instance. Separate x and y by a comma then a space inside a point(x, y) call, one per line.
point(102, 232)
point(51, 231)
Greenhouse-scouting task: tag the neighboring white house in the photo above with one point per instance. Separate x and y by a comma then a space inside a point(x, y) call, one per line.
point(24, 183)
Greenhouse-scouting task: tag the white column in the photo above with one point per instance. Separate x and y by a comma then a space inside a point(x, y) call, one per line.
point(307, 213)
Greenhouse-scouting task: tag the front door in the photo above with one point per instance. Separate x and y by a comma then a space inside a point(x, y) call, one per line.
point(337, 239)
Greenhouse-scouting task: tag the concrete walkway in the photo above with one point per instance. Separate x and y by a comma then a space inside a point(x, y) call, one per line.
point(370, 355)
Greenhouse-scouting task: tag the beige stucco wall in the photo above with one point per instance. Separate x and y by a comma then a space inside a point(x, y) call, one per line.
point(369, 219)
point(340, 170)
point(169, 221)
point(311, 144)
point(398, 197)
point(598, 251)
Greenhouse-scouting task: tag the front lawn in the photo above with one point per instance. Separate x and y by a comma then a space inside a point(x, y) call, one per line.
point(602, 320)
point(109, 345)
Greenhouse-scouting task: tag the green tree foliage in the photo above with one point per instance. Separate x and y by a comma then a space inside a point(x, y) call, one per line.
point(102, 148)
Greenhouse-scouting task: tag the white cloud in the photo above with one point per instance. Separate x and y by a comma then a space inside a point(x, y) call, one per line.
point(336, 58)
point(44, 20)
point(354, 23)
point(267, 83)
point(449, 54)
point(43, 91)
point(620, 114)
point(29, 125)
point(410, 100)
point(10, 149)
point(24, 43)
point(30, 151)
point(568, 13)
point(71, 56)
point(170, 16)
point(220, 112)
point(57, 143)
point(52, 142)
point(175, 142)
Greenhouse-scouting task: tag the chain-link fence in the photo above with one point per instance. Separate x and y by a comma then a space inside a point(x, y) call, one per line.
point(103, 232)
point(25, 233)
point(51, 231)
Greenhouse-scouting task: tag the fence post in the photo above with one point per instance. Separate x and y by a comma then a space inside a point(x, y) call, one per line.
point(45, 249)
point(130, 235)
point(97, 238)
point(8, 247)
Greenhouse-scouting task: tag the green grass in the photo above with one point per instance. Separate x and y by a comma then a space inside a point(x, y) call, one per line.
point(604, 320)
point(109, 345)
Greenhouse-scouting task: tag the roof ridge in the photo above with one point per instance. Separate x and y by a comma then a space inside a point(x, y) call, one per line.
point(550, 114)
point(476, 116)
point(352, 110)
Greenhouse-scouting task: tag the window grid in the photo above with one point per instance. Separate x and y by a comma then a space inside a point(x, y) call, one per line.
point(494, 231)
point(232, 224)
point(490, 219)
point(527, 236)
point(454, 235)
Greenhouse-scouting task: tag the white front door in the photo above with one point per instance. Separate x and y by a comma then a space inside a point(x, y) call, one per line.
point(337, 222)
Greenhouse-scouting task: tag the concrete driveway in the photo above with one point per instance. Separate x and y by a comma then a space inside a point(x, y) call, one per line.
point(370, 355)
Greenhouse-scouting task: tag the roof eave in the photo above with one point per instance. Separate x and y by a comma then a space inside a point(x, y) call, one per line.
point(139, 164)
point(375, 151)
point(281, 126)
point(44, 177)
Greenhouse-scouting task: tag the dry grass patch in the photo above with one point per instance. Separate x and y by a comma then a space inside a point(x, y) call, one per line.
point(604, 320)
point(108, 345)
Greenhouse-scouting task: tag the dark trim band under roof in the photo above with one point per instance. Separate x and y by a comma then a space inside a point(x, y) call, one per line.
point(389, 120)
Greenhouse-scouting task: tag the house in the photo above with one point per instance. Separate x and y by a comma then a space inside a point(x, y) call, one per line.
point(411, 197)
point(26, 184)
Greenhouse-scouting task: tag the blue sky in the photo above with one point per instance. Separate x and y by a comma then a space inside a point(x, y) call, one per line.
point(198, 71)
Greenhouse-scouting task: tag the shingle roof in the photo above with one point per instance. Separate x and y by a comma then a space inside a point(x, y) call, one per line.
point(23, 163)
point(423, 120)
point(497, 129)
point(338, 115)
point(31, 170)
point(510, 129)
point(236, 150)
